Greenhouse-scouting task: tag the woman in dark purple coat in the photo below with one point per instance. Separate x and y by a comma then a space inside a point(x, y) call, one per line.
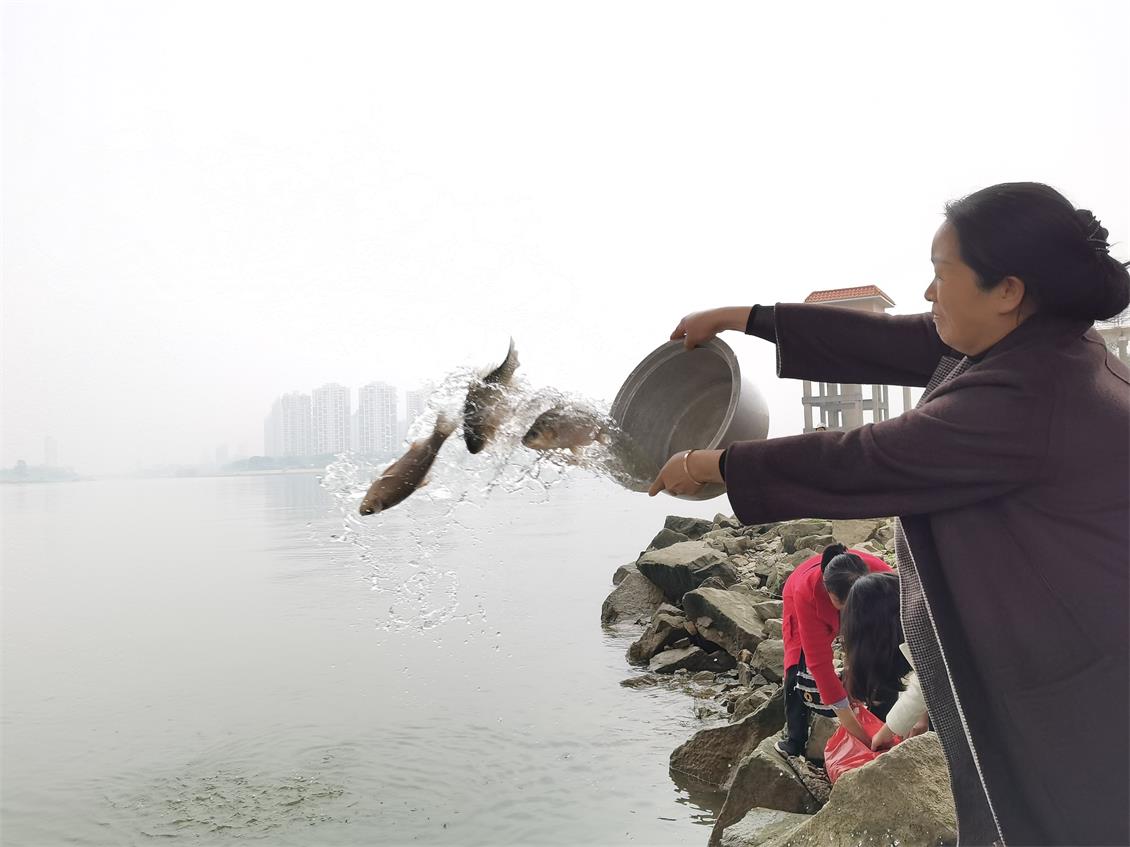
point(1012, 482)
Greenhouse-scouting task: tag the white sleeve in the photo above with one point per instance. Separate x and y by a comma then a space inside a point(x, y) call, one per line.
point(909, 708)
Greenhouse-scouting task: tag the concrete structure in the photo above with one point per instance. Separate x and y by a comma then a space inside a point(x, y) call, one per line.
point(1116, 334)
point(834, 405)
point(377, 431)
point(331, 419)
point(288, 429)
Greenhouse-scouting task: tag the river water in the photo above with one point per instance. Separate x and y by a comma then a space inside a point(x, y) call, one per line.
point(218, 659)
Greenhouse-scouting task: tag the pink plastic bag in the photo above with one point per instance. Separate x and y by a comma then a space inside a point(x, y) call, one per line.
point(844, 751)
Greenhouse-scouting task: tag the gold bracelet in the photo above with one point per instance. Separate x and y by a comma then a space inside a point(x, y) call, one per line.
point(687, 468)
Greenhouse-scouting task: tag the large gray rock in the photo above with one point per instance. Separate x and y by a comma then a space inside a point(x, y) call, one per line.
point(763, 779)
point(775, 583)
point(760, 826)
point(735, 621)
point(635, 598)
point(883, 534)
point(749, 701)
point(769, 659)
point(853, 532)
point(665, 629)
point(691, 527)
point(692, 658)
point(815, 542)
point(666, 538)
point(710, 755)
point(902, 797)
point(773, 628)
point(727, 521)
point(683, 567)
point(793, 530)
point(820, 730)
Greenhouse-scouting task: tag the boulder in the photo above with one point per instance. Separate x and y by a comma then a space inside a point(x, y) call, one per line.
point(691, 659)
point(853, 532)
point(691, 527)
point(683, 567)
point(784, 568)
point(883, 534)
point(635, 597)
point(666, 538)
point(622, 572)
point(815, 542)
point(748, 702)
point(731, 619)
point(710, 755)
point(665, 629)
point(727, 521)
point(761, 825)
point(648, 680)
point(763, 779)
point(820, 729)
point(794, 530)
point(902, 797)
point(773, 628)
point(769, 659)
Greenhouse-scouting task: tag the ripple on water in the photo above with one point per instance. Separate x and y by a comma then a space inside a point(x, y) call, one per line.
point(235, 803)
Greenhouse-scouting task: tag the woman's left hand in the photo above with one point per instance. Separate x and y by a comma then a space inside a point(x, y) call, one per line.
point(675, 479)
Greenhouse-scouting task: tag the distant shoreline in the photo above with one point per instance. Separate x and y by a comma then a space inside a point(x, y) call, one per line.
point(274, 472)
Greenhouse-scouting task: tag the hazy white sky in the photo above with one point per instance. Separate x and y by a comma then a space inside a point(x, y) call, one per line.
point(207, 204)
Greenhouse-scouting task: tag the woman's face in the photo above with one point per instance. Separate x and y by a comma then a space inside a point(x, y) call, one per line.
point(968, 318)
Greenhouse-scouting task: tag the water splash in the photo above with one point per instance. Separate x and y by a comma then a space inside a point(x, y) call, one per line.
point(401, 550)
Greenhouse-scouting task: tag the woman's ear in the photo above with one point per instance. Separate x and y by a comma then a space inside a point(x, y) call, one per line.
point(1009, 294)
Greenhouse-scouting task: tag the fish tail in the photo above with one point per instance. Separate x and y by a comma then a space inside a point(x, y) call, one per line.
point(445, 425)
point(506, 370)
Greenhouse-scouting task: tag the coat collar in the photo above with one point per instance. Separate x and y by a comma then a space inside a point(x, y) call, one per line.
point(1038, 329)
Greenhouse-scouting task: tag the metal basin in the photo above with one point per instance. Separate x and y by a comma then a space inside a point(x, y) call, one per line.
point(678, 399)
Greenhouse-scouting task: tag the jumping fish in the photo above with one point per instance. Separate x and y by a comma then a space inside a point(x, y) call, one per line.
point(408, 472)
point(482, 411)
point(564, 428)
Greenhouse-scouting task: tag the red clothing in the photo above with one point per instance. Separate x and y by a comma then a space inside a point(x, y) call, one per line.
point(811, 622)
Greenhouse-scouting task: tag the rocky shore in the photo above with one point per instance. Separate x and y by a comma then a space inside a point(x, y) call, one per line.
point(705, 601)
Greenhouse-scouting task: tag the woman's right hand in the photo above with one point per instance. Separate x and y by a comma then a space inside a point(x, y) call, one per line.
point(883, 739)
point(699, 327)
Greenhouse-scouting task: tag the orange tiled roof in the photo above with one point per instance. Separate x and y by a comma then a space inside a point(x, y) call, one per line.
point(847, 294)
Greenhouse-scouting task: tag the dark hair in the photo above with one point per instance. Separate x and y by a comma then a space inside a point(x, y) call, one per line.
point(871, 631)
point(840, 572)
point(1031, 231)
point(830, 552)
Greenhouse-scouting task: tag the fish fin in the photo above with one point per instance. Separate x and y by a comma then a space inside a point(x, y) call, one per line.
point(424, 481)
point(576, 451)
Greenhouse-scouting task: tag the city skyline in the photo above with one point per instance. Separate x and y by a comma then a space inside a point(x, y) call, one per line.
point(301, 425)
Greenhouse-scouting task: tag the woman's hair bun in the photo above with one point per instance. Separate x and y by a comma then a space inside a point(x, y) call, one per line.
point(1093, 229)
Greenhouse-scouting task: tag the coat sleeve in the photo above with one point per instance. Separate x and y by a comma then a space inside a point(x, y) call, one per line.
point(909, 708)
point(816, 642)
point(979, 437)
point(834, 344)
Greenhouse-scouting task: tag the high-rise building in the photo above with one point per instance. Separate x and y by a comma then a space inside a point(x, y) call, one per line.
point(376, 418)
point(331, 419)
point(288, 429)
point(417, 402)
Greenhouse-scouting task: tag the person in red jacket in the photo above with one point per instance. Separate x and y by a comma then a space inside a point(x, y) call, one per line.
point(813, 595)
